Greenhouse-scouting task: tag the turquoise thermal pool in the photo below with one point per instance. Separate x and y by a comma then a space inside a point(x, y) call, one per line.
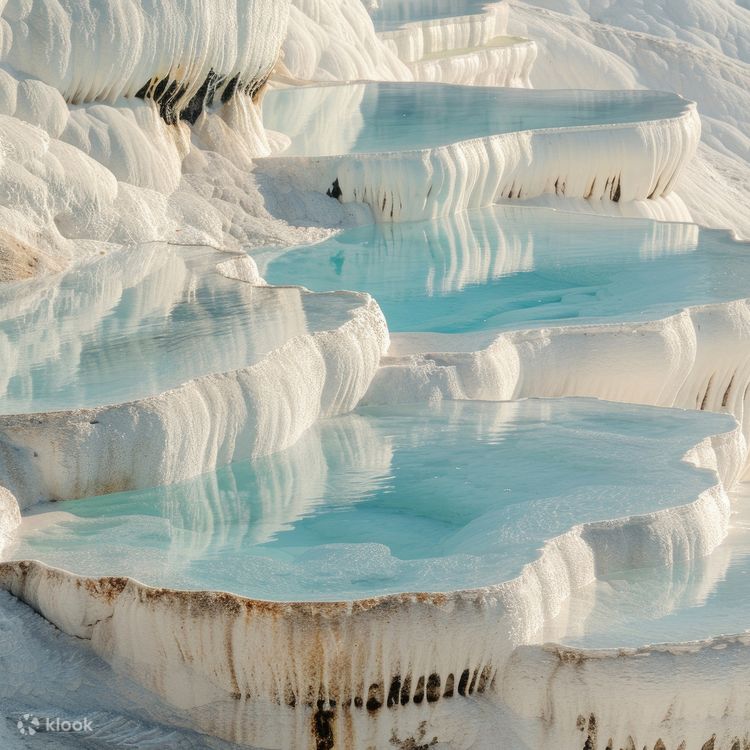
point(419, 498)
point(391, 14)
point(129, 326)
point(385, 117)
point(692, 601)
point(508, 267)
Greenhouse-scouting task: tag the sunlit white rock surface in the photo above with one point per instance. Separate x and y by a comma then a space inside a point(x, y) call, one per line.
point(415, 30)
point(697, 48)
point(55, 675)
point(503, 61)
point(334, 40)
point(455, 42)
point(197, 648)
point(84, 176)
point(87, 165)
point(408, 163)
point(140, 379)
point(700, 600)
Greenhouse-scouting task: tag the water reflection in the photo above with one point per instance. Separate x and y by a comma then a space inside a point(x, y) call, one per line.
point(510, 267)
point(450, 496)
point(138, 322)
point(385, 117)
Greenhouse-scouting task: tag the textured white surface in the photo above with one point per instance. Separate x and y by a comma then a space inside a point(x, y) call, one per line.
point(690, 696)
point(695, 48)
point(697, 359)
point(108, 171)
point(643, 159)
point(334, 40)
point(506, 61)
point(203, 423)
point(96, 50)
point(415, 41)
point(196, 648)
point(111, 171)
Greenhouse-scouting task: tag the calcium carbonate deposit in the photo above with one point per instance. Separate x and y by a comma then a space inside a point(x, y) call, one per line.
point(374, 374)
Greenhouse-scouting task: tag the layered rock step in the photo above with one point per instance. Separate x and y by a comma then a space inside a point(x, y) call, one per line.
point(654, 642)
point(414, 151)
point(149, 367)
point(456, 42)
point(478, 510)
point(512, 302)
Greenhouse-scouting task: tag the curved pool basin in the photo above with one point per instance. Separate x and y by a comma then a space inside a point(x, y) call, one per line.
point(425, 498)
point(512, 267)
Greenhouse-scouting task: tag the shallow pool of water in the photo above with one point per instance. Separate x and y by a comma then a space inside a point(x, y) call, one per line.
point(442, 497)
point(508, 267)
point(139, 322)
point(693, 601)
point(383, 117)
point(391, 14)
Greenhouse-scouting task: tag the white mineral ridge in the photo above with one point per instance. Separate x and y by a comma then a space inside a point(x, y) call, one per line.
point(416, 40)
point(85, 166)
point(697, 48)
point(58, 675)
point(696, 359)
point(334, 40)
point(205, 422)
point(504, 61)
point(201, 649)
point(691, 695)
point(95, 50)
point(627, 161)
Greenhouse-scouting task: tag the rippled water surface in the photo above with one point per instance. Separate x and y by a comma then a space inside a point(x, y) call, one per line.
point(435, 498)
point(507, 267)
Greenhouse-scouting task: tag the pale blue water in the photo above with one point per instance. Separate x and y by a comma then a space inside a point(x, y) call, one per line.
point(703, 599)
point(437, 498)
point(139, 322)
point(394, 13)
point(508, 267)
point(383, 117)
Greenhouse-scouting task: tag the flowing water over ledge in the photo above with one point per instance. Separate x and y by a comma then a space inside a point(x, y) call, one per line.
point(453, 496)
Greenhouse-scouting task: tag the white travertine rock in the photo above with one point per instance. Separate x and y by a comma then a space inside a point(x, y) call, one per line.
point(419, 39)
point(95, 50)
point(696, 359)
point(627, 162)
point(334, 40)
point(207, 421)
point(505, 61)
point(249, 657)
point(85, 163)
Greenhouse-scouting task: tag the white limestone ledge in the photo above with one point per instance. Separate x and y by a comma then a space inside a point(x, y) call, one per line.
point(203, 423)
point(622, 162)
point(355, 673)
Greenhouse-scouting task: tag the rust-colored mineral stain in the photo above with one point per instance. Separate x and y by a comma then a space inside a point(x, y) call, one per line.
point(323, 725)
point(104, 588)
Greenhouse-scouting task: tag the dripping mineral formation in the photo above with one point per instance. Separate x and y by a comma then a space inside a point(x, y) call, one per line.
point(374, 374)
